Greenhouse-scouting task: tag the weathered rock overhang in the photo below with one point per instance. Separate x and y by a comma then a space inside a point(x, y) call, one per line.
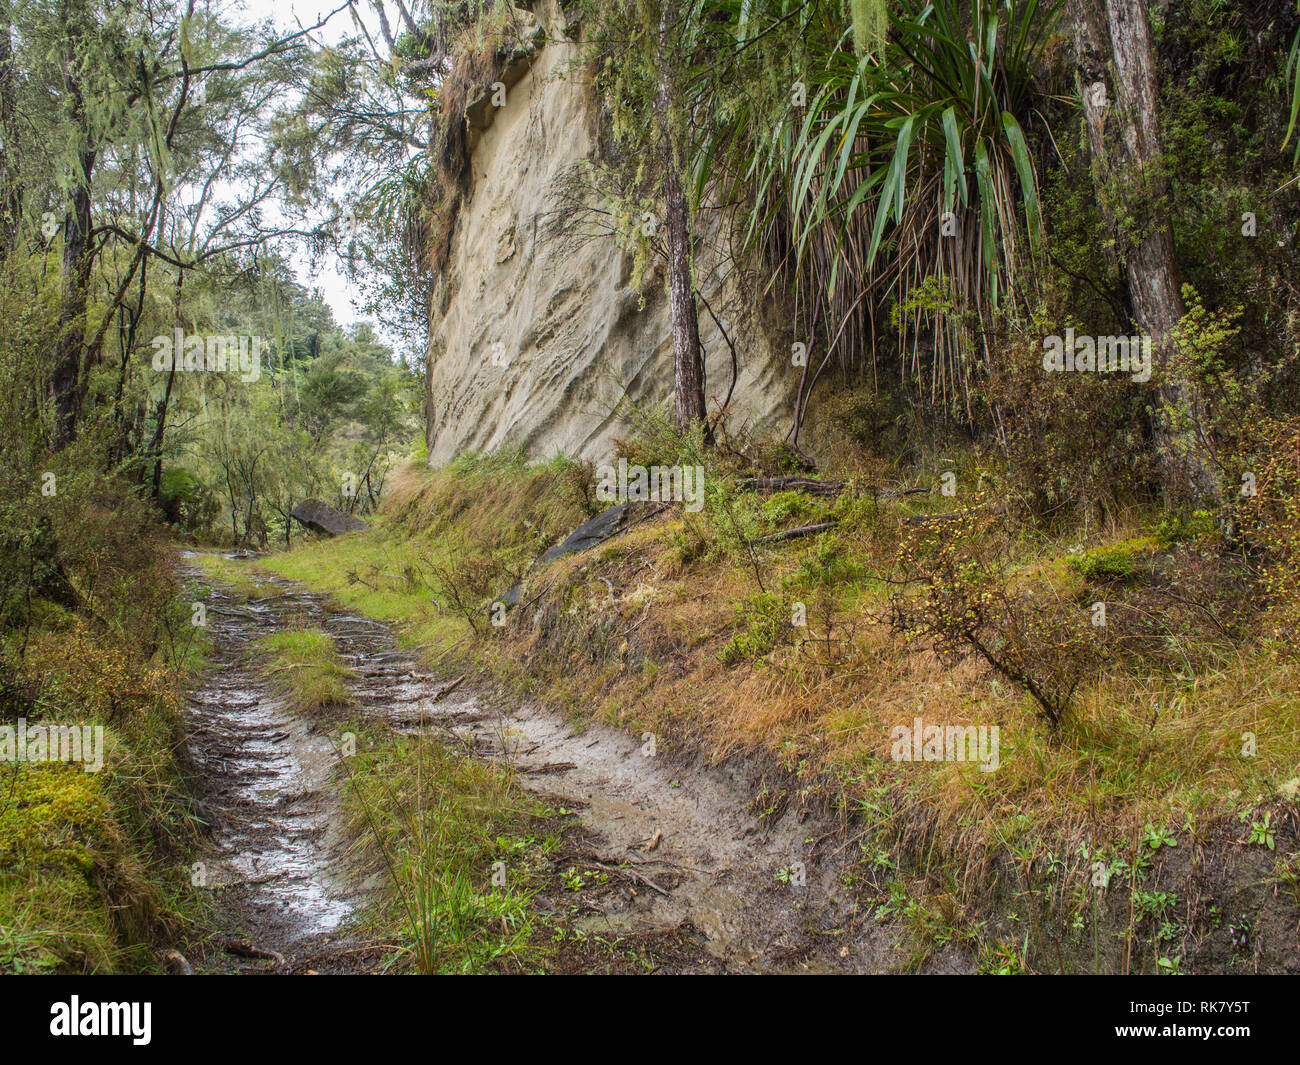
point(540, 338)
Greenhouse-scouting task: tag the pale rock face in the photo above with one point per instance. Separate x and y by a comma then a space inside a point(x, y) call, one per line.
point(542, 335)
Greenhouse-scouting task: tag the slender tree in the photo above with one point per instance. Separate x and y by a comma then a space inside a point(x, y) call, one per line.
point(688, 360)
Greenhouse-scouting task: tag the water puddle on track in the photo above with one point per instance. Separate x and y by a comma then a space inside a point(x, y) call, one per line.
point(265, 786)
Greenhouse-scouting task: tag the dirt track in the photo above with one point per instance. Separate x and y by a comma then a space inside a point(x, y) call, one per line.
point(686, 844)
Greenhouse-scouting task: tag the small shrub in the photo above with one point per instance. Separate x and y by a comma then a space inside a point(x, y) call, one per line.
point(967, 603)
point(782, 506)
point(1113, 563)
point(764, 622)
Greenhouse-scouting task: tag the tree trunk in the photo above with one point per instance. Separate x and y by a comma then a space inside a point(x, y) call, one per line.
point(77, 258)
point(1118, 84)
point(11, 197)
point(688, 363)
point(66, 382)
point(688, 360)
point(160, 410)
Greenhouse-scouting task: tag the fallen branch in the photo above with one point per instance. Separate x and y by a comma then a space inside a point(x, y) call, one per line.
point(447, 689)
point(828, 489)
point(824, 489)
point(553, 767)
point(635, 875)
point(791, 534)
point(245, 949)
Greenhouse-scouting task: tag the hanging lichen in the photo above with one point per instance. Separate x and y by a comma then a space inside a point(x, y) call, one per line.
point(870, 24)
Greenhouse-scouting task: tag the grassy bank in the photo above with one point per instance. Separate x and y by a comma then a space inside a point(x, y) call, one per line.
point(95, 850)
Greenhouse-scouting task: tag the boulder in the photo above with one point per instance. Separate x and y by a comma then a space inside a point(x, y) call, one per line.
point(597, 530)
point(592, 532)
point(320, 517)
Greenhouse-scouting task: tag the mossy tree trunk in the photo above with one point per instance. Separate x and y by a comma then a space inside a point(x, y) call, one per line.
point(77, 257)
point(10, 181)
point(1117, 82)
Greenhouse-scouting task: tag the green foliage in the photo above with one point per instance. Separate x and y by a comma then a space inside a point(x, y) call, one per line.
point(885, 146)
point(1065, 441)
point(92, 632)
point(1222, 81)
point(328, 418)
point(433, 822)
point(780, 507)
point(967, 602)
point(1262, 833)
point(655, 440)
point(1293, 75)
point(828, 564)
point(186, 501)
point(1226, 402)
point(1178, 526)
point(86, 858)
point(764, 622)
point(1270, 519)
point(1113, 563)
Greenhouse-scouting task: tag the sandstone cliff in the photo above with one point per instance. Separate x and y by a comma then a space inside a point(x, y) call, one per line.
point(537, 332)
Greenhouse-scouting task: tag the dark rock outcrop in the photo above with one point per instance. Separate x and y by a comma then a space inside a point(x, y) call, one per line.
point(597, 530)
point(322, 518)
point(592, 532)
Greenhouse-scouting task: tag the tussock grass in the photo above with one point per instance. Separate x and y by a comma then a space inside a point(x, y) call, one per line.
point(305, 666)
point(434, 824)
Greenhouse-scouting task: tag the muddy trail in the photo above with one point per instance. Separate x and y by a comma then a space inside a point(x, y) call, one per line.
point(699, 865)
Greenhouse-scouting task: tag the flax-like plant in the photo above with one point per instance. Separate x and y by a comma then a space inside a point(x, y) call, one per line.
point(1293, 76)
point(906, 178)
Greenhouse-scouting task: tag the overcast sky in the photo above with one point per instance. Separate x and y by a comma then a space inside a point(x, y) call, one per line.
point(288, 15)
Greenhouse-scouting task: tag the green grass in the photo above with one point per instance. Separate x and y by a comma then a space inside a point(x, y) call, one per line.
point(435, 824)
point(304, 665)
point(230, 572)
point(1111, 562)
